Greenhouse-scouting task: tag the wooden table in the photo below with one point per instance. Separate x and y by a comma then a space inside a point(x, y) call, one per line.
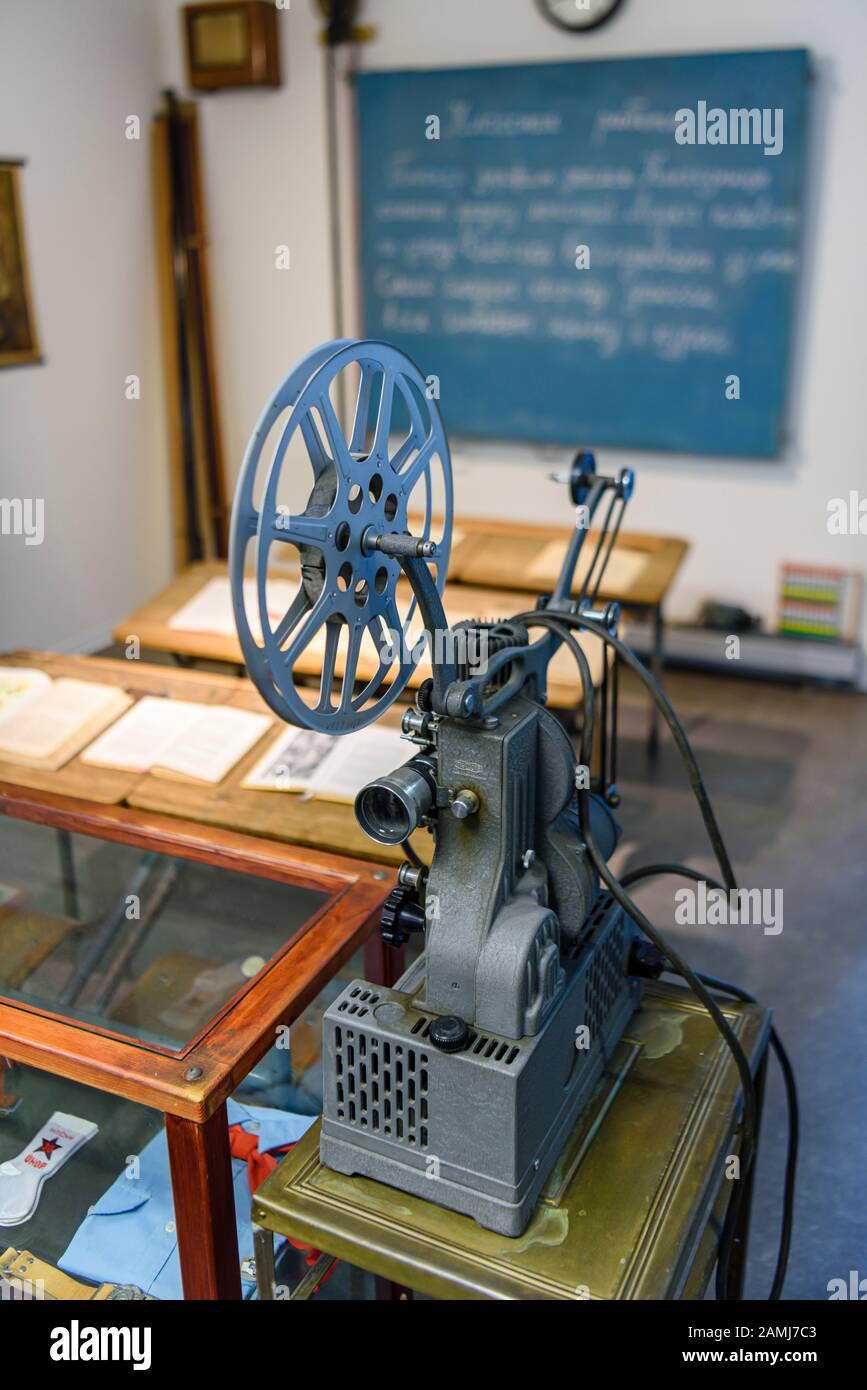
point(150, 624)
point(632, 1209)
point(190, 1083)
point(487, 558)
point(283, 816)
point(491, 553)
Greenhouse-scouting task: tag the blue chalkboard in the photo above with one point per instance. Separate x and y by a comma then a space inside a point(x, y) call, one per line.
point(478, 186)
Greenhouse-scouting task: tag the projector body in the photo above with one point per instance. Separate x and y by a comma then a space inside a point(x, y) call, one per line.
point(461, 1084)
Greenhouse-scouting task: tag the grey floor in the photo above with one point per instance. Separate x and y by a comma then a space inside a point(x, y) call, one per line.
point(787, 772)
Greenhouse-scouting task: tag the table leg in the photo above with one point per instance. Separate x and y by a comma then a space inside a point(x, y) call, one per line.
point(67, 874)
point(201, 1168)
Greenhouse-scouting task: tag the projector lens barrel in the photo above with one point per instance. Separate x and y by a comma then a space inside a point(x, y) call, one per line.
point(392, 807)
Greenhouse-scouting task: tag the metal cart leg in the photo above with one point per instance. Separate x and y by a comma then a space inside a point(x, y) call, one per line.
point(738, 1259)
point(266, 1270)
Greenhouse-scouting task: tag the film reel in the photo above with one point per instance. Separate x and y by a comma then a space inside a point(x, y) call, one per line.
point(349, 610)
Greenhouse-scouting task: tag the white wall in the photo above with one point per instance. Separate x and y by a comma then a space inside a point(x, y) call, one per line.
point(265, 158)
point(266, 185)
point(70, 74)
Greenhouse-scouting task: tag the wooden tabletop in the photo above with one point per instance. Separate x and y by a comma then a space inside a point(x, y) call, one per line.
point(285, 816)
point(150, 624)
point(642, 570)
point(106, 785)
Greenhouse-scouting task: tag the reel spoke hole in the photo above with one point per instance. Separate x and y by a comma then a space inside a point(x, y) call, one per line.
point(342, 535)
point(344, 577)
point(390, 507)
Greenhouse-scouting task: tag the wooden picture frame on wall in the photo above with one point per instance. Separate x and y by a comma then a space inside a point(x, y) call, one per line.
point(232, 43)
point(19, 341)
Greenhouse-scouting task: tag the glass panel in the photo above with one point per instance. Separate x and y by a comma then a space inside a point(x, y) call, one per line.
point(144, 945)
point(70, 1185)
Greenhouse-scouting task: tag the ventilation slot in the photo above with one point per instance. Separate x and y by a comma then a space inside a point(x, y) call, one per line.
point(603, 982)
point(359, 1002)
point(382, 1087)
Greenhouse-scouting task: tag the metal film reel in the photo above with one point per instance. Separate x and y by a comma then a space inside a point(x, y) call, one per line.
point(393, 458)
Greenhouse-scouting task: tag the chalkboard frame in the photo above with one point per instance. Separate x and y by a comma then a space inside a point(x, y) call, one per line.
point(669, 414)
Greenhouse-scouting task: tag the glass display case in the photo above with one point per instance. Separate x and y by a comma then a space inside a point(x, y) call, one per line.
point(161, 991)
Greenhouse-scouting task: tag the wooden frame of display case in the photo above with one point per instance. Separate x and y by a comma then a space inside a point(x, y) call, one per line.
point(190, 1086)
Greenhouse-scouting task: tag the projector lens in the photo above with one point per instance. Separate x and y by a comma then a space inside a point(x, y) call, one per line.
point(392, 807)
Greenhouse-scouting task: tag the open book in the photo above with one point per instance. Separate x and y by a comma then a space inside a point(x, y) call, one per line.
point(179, 739)
point(45, 722)
point(321, 765)
point(210, 610)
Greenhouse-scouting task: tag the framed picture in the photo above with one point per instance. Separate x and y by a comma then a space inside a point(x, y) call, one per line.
point(232, 43)
point(18, 340)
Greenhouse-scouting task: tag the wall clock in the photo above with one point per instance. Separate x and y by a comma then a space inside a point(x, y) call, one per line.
point(578, 15)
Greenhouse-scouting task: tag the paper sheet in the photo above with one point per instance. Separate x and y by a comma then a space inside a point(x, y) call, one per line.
point(210, 610)
point(624, 568)
point(40, 728)
point(201, 742)
point(332, 768)
point(18, 684)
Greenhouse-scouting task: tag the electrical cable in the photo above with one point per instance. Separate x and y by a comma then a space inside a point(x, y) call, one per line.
point(560, 623)
point(791, 1088)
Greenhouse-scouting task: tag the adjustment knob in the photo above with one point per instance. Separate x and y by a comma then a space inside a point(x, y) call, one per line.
point(401, 914)
point(449, 1033)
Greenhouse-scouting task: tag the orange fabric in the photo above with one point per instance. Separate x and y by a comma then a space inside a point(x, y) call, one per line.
point(245, 1146)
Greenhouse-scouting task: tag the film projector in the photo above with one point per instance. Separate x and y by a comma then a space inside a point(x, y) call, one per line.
point(462, 1083)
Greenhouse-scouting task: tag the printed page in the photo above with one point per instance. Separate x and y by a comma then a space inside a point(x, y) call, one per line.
point(18, 684)
point(210, 610)
point(144, 734)
point(356, 760)
point(624, 568)
point(332, 768)
point(50, 729)
point(212, 744)
point(291, 761)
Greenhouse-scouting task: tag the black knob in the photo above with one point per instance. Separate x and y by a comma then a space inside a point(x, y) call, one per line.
point(449, 1033)
point(401, 914)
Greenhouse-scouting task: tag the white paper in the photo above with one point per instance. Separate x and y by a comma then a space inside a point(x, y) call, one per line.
point(322, 765)
point(214, 743)
point(144, 734)
point(39, 727)
point(193, 740)
point(18, 684)
point(624, 568)
point(210, 610)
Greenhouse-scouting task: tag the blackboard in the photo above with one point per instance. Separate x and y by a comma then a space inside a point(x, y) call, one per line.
point(478, 186)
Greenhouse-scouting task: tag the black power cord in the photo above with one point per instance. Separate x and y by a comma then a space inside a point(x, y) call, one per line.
point(791, 1088)
point(560, 624)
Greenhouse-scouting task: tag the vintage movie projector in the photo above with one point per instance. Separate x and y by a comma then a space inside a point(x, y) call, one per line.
point(462, 1083)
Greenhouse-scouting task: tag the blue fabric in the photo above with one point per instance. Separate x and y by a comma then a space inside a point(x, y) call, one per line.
point(128, 1236)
